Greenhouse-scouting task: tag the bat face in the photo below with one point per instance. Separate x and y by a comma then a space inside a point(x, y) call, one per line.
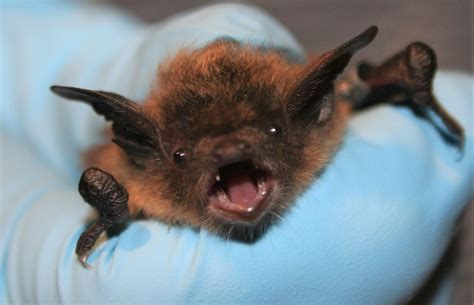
point(229, 137)
point(226, 132)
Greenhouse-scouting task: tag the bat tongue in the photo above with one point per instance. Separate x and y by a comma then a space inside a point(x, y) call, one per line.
point(241, 189)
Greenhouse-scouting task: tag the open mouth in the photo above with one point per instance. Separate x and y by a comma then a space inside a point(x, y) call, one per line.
point(239, 191)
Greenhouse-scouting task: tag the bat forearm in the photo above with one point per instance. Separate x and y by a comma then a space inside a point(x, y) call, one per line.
point(405, 78)
point(103, 192)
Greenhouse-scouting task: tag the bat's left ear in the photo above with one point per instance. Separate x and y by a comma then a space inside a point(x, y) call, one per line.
point(133, 130)
point(313, 89)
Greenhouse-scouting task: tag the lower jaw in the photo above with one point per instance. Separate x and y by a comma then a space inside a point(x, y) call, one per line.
point(248, 219)
point(234, 213)
point(237, 214)
point(246, 232)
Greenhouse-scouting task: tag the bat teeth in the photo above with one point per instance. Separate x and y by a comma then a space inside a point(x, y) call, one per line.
point(262, 186)
point(221, 195)
point(218, 178)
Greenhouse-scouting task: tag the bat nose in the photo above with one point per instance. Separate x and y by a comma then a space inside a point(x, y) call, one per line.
point(231, 150)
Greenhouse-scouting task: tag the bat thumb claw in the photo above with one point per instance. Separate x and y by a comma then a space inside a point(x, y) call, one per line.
point(83, 261)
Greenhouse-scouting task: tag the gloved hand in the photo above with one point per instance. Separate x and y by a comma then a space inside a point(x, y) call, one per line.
point(369, 231)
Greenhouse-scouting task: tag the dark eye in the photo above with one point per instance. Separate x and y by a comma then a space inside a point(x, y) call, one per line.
point(274, 130)
point(179, 156)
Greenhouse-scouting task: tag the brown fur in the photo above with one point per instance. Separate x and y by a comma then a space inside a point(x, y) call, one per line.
point(223, 90)
point(251, 114)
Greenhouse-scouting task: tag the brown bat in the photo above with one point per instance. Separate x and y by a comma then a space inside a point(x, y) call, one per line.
point(232, 133)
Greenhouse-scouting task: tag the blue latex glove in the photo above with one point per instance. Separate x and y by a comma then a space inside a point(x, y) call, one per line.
point(368, 232)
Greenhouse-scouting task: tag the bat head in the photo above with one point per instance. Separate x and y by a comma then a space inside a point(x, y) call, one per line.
point(231, 133)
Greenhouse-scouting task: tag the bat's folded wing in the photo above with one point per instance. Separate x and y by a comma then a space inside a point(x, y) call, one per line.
point(369, 232)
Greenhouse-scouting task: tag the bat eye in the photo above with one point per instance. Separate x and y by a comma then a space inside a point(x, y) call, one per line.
point(179, 156)
point(274, 130)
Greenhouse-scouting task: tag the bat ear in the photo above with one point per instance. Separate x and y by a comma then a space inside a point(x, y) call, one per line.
point(309, 98)
point(134, 131)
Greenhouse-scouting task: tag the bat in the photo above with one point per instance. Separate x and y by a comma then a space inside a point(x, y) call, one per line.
point(232, 133)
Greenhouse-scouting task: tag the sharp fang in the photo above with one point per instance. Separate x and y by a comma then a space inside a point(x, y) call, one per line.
point(261, 185)
point(221, 195)
point(218, 178)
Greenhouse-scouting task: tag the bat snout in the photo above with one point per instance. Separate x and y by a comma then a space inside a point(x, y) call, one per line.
point(231, 150)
